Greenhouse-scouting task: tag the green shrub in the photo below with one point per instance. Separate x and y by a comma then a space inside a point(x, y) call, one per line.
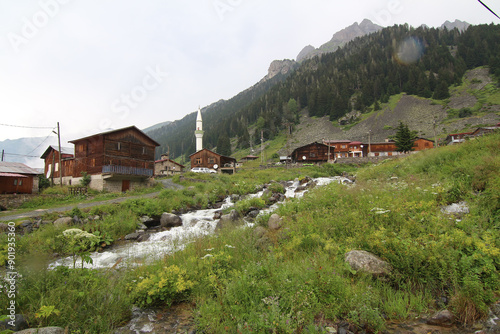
point(163, 288)
point(244, 205)
point(86, 299)
point(85, 180)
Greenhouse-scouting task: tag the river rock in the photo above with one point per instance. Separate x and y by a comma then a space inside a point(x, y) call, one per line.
point(259, 232)
point(253, 213)
point(217, 214)
point(43, 330)
point(305, 180)
point(231, 219)
point(132, 236)
point(27, 226)
point(143, 237)
point(64, 221)
point(443, 318)
point(275, 222)
point(170, 220)
point(361, 260)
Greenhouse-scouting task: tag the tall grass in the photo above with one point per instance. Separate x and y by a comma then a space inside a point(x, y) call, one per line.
point(295, 279)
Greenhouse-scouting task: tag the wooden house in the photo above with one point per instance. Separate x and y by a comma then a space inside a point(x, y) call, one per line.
point(357, 149)
point(167, 167)
point(212, 160)
point(421, 144)
point(249, 158)
point(485, 130)
point(116, 160)
point(382, 149)
point(52, 170)
point(340, 147)
point(312, 153)
point(17, 178)
point(456, 138)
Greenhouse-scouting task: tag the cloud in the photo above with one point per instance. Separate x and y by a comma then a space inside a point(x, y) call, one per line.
point(88, 54)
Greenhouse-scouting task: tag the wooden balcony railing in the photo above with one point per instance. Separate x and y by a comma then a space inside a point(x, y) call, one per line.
point(111, 169)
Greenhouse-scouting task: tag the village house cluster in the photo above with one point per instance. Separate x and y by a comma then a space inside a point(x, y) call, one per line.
point(123, 159)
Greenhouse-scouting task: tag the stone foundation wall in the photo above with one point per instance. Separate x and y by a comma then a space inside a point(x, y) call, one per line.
point(365, 160)
point(8, 202)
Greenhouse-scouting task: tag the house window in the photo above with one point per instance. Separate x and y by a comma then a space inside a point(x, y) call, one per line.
point(211, 160)
point(143, 150)
point(198, 161)
point(118, 146)
point(56, 167)
point(344, 146)
point(15, 182)
point(20, 182)
point(312, 155)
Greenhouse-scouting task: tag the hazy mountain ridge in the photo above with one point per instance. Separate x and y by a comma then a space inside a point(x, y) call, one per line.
point(26, 150)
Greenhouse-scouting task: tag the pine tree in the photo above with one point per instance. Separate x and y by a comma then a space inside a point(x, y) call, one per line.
point(404, 138)
point(441, 91)
point(224, 145)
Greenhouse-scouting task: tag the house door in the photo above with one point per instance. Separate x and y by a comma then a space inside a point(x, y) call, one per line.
point(125, 185)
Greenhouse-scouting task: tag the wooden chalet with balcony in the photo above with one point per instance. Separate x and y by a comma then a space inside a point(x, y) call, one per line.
point(312, 153)
point(212, 160)
point(116, 160)
point(341, 148)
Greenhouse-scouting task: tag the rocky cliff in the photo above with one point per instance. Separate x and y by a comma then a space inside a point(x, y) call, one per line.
point(279, 67)
point(340, 38)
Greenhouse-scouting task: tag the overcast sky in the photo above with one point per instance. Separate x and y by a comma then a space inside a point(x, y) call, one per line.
point(98, 64)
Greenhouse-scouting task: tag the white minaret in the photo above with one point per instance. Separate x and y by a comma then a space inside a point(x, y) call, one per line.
point(199, 131)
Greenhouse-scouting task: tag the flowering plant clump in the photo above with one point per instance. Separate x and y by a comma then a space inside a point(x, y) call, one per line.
point(79, 243)
point(164, 288)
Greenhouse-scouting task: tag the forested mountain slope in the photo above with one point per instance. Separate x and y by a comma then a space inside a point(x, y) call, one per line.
point(361, 76)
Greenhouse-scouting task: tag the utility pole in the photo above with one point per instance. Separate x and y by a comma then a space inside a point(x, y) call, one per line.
point(60, 154)
point(369, 142)
point(435, 137)
point(52, 169)
point(288, 133)
point(3, 153)
point(262, 146)
point(328, 150)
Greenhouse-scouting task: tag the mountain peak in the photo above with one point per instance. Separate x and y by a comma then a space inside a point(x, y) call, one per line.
point(340, 38)
point(460, 25)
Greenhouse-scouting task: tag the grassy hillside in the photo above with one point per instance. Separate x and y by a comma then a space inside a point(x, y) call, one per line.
point(295, 279)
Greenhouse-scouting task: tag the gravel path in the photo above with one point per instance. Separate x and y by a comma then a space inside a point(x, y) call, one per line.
point(167, 183)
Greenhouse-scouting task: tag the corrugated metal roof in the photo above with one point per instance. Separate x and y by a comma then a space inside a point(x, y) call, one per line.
point(12, 175)
point(64, 150)
point(17, 168)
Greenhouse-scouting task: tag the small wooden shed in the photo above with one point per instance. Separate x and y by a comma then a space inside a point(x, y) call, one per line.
point(17, 178)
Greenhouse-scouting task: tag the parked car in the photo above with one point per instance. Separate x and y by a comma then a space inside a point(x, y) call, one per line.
point(203, 170)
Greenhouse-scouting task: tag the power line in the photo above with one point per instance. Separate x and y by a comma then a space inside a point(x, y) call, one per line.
point(27, 127)
point(43, 141)
point(488, 8)
point(21, 155)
